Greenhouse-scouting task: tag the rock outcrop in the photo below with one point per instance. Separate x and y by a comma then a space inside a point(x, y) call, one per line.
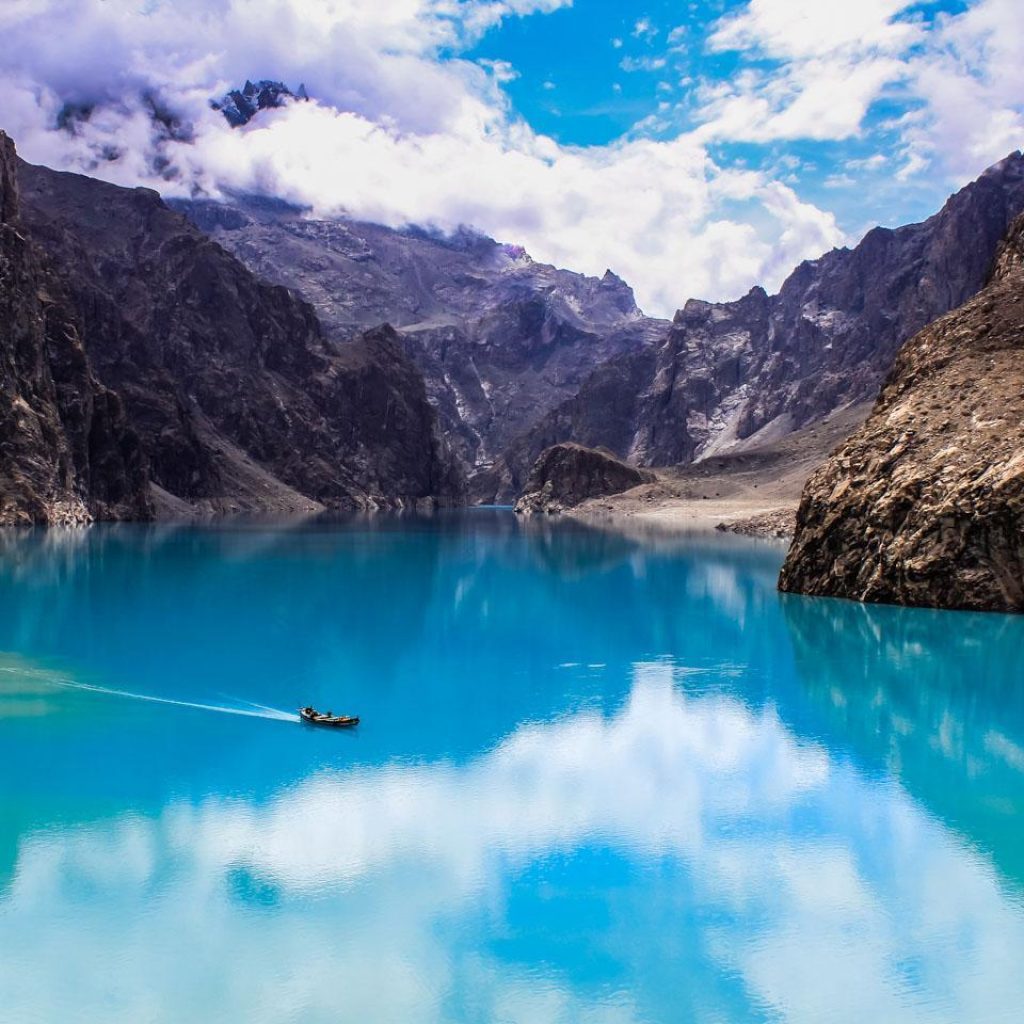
point(226, 393)
point(67, 454)
point(925, 504)
point(568, 474)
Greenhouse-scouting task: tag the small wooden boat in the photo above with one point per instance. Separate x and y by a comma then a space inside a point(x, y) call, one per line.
point(315, 717)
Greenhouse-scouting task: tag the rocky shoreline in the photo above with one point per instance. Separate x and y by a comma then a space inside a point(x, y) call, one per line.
point(924, 505)
point(778, 524)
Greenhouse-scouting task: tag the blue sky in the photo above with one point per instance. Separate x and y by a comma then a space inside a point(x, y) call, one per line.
point(696, 149)
point(600, 70)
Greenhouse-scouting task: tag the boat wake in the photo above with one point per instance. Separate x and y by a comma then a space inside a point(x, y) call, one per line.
point(253, 710)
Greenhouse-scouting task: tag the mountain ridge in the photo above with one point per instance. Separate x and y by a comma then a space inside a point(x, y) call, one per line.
point(732, 373)
point(924, 505)
point(236, 398)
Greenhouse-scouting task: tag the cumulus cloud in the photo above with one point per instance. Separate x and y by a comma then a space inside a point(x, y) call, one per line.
point(808, 28)
point(973, 88)
point(815, 71)
point(399, 131)
point(404, 128)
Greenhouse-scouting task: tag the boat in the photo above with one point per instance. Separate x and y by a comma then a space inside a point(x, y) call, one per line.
point(315, 717)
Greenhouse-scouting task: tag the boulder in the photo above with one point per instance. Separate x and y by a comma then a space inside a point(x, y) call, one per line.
point(566, 475)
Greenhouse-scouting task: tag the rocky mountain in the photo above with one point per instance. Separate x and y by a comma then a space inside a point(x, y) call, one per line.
point(240, 106)
point(925, 504)
point(737, 373)
point(516, 356)
point(232, 393)
point(567, 474)
point(67, 453)
point(500, 339)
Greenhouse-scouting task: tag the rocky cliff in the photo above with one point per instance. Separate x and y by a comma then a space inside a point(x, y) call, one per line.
point(732, 374)
point(567, 474)
point(925, 504)
point(67, 454)
point(501, 340)
point(226, 384)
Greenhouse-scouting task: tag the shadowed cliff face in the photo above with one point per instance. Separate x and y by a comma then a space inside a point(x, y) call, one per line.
point(237, 400)
point(501, 340)
point(67, 454)
point(731, 373)
point(925, 504)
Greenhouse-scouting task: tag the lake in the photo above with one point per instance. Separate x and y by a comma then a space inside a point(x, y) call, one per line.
point(599, 778)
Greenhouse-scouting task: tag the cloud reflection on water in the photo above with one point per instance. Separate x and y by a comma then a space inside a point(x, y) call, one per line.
point(823, 894)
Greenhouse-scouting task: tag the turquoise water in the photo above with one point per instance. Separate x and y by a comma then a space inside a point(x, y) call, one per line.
point(599, 779)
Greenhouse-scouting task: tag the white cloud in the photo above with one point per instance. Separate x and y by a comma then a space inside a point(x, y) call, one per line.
point(642, 63)
point(395, 134)
point(821, 99)
point(422, 862)
point(972, 85)
point(800, 29)
point(959, 78)
point(644, 29)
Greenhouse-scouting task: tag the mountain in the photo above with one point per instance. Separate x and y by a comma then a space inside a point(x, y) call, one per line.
point(240, 106)
point(500, 339)
point(232, 393)
point(731, 374)
point(519, 356)
point(67, 452)
point(925, 504)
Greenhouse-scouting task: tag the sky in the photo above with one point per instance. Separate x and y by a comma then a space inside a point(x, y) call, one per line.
point(694, 148)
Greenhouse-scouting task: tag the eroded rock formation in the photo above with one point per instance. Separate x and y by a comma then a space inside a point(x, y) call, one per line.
point(566, 475)
point(925, 504)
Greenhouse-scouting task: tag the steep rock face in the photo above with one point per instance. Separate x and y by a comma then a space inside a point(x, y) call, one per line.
point(730, 374)
point(603, 411)
point(500, 339)
point(567, 474)
point(67, 454)
point(239, 402)
point(925, 504)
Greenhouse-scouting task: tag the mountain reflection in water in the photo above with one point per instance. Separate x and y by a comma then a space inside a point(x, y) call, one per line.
point(601, 778)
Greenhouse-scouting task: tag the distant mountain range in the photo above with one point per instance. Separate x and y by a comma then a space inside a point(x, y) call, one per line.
point(519, 356)
point(227, 391)
point(501, 340)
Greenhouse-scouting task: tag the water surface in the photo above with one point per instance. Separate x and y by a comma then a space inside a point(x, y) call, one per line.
point(599, 779)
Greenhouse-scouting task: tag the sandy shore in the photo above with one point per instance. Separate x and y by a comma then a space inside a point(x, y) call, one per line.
point(754, 489)
point(668, 511)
